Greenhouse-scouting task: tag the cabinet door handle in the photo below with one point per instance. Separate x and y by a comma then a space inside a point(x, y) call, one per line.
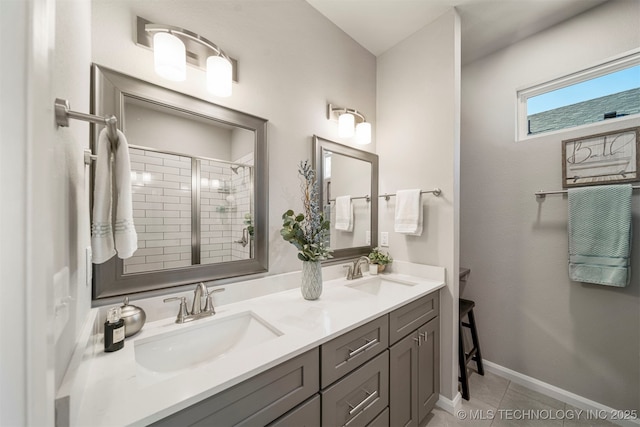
point(365, 402)
point(368, 344)
point(417, 340)
point(423, 336)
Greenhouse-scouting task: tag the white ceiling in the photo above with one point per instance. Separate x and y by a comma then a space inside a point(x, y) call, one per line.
point(487, 25)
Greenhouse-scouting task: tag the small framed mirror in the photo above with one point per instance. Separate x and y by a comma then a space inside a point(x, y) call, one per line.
point(199, 186)
point(352, 175)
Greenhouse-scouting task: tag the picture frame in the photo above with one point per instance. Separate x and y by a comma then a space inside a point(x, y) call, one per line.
point(604, 158)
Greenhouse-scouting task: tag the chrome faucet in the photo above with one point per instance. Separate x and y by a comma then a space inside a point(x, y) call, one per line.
point(357, 266)
point(355, 270)
point(198, 309)
point(198, 293)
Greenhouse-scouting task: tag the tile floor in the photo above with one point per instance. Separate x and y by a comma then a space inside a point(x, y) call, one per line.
point(496, 401)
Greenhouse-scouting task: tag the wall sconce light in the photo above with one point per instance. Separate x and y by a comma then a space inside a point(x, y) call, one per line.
point(173, 47)
point(169, 57)
point(347, 119)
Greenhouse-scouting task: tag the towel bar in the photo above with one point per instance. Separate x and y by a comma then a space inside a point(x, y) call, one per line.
point(436, 192)
point(63, 114)
point(542, 194)
point(367, 198)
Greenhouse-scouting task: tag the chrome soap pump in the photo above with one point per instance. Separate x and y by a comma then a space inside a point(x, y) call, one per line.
point(113, 330)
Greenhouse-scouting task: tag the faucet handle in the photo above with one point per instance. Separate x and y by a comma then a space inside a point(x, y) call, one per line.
point(209, 304)
point(182, 311)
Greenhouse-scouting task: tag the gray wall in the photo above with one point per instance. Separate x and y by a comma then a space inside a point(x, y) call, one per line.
point(532, 318)
point(418, 144)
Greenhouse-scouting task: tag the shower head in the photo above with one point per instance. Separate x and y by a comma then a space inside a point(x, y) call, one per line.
point(235, 168)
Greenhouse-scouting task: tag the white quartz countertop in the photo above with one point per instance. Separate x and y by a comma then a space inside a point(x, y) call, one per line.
point(115, 394)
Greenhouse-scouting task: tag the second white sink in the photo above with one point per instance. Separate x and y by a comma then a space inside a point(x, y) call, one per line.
point(380, 284)
point(165, 355)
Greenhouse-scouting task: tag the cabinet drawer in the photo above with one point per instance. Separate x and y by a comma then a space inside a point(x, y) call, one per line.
point(256, 401)
point(305, 415)
point(358, 398)
point(346, 352)
point(407, 319)
point(381, 420)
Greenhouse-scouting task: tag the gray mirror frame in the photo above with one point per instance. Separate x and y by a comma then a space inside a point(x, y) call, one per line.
point(109, 89)
point(319, 146)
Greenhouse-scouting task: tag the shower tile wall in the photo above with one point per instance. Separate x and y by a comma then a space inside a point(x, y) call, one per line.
point(225, 199)
point(216, 210)
point(242, 184)
point(161, 187)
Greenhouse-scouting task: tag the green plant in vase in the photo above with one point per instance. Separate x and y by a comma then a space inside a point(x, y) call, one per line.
point(308, 232)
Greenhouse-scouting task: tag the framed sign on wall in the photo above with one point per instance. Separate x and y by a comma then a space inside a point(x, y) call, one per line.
point(606, 158)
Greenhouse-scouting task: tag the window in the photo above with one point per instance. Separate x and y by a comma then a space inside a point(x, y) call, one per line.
point(604, 92)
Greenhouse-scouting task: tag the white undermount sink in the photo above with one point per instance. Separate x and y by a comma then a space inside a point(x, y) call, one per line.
point(377, 285)
point(165, 355)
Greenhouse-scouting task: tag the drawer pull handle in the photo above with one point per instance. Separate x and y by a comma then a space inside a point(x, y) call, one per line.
point(368, 344)
point(360, 406)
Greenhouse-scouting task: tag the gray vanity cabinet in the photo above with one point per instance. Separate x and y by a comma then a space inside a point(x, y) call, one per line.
point(257, 401)
point(357, 399)
point(414, 361)
point(383, 373)
point(305, 415)
point(428, 367)
point(348, 351)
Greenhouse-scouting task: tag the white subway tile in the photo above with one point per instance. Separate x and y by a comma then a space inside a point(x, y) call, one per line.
point(162, 214)
point(177, 264)
point(163, 243)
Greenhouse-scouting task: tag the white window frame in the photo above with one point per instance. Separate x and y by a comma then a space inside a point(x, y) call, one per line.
point(626, 60)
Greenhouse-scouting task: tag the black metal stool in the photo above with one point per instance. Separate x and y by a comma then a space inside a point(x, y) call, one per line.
point(464, 356)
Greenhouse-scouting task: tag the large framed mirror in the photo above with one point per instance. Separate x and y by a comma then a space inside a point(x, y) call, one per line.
point(352, 175)
point(199, 184)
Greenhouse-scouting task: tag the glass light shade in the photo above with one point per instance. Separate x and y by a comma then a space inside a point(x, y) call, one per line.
point(346, 122)
point(363, 133)
point(219, 76)
point(169, 57)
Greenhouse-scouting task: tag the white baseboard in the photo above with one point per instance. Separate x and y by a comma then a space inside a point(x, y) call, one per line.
point(557, 393)
point(451, 406)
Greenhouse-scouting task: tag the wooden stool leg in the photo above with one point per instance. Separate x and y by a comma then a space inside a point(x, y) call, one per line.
point(462, 361)
point(476, 344)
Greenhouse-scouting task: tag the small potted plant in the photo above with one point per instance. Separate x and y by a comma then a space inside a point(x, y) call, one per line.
point(379, 260)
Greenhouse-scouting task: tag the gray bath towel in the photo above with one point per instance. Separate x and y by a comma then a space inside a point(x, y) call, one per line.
point(600, 234)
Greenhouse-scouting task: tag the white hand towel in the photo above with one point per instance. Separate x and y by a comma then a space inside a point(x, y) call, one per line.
point(102, 236)
point(344, 214)
point(102, 244)
point(125, 232)
point(408, 215)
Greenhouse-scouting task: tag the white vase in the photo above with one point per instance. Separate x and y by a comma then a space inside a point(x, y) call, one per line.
point(311, 286)
point(373, 269)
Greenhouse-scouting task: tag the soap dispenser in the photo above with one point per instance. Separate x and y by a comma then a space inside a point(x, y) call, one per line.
point(113, 330)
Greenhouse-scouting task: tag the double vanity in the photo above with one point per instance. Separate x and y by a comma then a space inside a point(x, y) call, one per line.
point(365, 353)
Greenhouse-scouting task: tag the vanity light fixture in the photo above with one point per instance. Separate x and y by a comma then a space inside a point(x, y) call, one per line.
point(169, 57)
point(173, 47)
point(347, 118)
point(346, 122)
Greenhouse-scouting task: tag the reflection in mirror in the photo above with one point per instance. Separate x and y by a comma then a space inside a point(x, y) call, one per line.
point(338, 181)
point(349, 196)
point(181, 219)
point(199, 187)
